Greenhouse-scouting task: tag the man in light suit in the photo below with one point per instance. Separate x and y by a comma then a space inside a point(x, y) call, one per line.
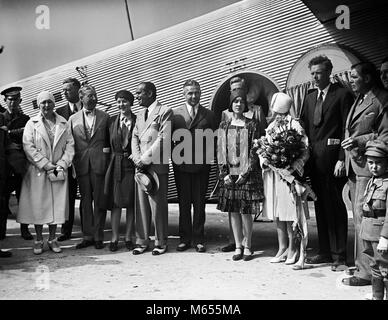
point(91, 136)
point(191, 175)
point(151, 150)
point(367, 120)
point(324, 114)
point(70, 90)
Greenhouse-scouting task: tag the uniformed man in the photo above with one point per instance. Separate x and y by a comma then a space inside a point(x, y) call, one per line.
point(15, 121)
point(374, 224)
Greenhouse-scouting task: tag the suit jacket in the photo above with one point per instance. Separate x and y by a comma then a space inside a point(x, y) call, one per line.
point(3, 136)
point(335, 109)
point(366, 122)
point(90, 154)
point(204, 119)
point(65, 111)
point(151, 139)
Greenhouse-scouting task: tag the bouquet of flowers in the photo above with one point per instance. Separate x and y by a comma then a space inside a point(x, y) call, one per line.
point(283, 145)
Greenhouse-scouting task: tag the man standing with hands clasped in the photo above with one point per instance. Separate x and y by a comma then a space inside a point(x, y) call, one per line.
point(367, 120)
point(324, 115)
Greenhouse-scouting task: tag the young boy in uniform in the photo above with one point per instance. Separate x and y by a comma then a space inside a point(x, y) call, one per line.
point(374, 225)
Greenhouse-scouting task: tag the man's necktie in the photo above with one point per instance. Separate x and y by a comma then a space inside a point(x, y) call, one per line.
point(318, 110)
point(75, 108)
point(88, 112)
point(192, 113)
point(146, 114)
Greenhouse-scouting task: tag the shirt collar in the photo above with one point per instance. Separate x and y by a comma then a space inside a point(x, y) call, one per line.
point(325, 91)
point(152, 107)
point(93, 112)
point(77, 104)
point(189, 107)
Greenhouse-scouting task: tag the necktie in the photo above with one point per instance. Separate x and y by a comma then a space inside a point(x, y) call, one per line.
point(88, 112)
point(146, 114)
point(75, 108)
point(318, 110)
point(361, 99)
point(192, 113)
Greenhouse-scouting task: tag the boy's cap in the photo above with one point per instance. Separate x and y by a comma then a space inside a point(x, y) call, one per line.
point(376, 148)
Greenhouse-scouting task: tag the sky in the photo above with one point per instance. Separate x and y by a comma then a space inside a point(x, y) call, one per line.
point(78, 28)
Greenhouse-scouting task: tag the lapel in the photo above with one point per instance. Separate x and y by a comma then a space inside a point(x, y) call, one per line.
point(364, 105)
point(329, 99)
point(151, 117)
point(39, 127)
point(182, 111)
point(98, 121)
point(60, 129)
point(68, 111)
point(198, 116)
point(79, 124)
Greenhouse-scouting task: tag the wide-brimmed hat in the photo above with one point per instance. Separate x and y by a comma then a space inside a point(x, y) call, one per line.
point(281, 102)
point(148, 181)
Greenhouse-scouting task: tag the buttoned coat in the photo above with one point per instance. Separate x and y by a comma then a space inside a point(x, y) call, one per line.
point(90, 154)
point(43, 201)
point(202, 152)
point(151, 138)
point(364, 123)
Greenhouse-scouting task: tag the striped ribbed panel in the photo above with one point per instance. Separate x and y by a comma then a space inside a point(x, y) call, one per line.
point(269, 35)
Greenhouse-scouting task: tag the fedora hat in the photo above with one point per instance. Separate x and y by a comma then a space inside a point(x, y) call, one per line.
point(148, 181)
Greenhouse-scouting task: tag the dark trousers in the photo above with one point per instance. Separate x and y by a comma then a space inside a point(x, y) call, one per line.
point(3, 211)
point(331, 215)
point(93, 217)
point(357, 185)
point(67, 227)
point(192, 187)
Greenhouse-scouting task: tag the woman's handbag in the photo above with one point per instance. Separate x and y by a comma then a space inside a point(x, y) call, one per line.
point(56, 175)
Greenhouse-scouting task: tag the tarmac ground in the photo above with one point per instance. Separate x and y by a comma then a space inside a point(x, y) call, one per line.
point(89, 274)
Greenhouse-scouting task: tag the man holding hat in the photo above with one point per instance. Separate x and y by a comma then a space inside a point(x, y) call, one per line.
point(15, 122)
point(151, 153)
point(374, 223)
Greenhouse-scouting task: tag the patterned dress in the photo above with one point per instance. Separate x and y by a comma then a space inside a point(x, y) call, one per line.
point(235, 158)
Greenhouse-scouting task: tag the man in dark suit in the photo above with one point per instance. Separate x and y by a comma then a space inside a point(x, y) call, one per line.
point(324, 115)
point(192, 164)
point(91, 136)
point(151, 151)
point(384, 73)
point(15, 121)
point(70, 89)
point(367, 120)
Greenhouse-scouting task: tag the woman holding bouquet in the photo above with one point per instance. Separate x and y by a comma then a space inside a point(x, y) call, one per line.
point(283, 153)
point(241, 187)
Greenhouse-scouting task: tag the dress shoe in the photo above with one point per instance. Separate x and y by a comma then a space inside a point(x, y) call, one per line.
point(200, 248)
point(229, 248)
point(139, 249)
point(293, 259)
point(114, 246)
point(280, 258)
point(64, 237)
point(339, 265)
point(182, 246)
point(158, 250)
point(319, 258)
point(54, 246)
point(5, 254)
point(26, 235)
point(248, 254)
point(84, 244)
point(99, 244)
point(129, 245)
point(38, 247)
point(238, 254)
point(350, 271)
point(356, 281)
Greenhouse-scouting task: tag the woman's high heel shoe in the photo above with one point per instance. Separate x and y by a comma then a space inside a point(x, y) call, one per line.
point(280, 258)
point(293, 259)
point(238, 254)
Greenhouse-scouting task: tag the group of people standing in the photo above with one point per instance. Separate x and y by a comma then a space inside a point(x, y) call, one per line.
point(123, 162)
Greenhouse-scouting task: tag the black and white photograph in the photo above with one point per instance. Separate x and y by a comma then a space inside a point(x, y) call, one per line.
point(193, 155)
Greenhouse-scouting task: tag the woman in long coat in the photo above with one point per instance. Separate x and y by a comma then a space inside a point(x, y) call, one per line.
point(49, 147)
point(119, 178)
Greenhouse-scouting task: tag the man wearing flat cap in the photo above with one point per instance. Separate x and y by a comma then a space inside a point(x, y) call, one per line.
point(374, 223)
point(15, 122)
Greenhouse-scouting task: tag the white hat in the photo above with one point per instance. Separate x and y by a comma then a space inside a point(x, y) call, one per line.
point(281, 102)
point(45, 95)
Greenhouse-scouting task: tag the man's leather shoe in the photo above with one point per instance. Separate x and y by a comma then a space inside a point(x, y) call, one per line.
point(114, 246)
point(229, 248)
point(98, 244)
point(5, 254)
point(139, 249)
point(182, 246)
point(63, 237)
point(200, 248)
point(158, 250)
point(129, 245)
point(26, 235)
point(339, 265)
point(318, 259)
point(84, 244)
point(356, 281)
